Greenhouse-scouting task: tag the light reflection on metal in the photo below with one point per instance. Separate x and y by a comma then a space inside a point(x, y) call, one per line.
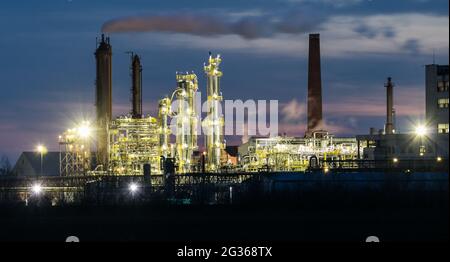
point(133, 143)
point(214, 122)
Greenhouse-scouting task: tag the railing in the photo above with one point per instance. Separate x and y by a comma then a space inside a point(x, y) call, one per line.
point(386, 165)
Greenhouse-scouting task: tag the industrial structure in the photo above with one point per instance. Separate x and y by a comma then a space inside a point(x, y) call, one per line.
point(133, 143)
point(314, 86)
point(136, 87)
point(294, 153)
point(186, 121)
point(75, 150)
point(134, 140)
point(389, 127)
point(427, 142)
point(129, 144)
point(214, 121)
point(284, 153)
point(103, 98)
point(164, 111)
point(437, 98)
point(139, 159)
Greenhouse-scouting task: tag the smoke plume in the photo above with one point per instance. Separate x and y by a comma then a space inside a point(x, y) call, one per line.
point(247, 28)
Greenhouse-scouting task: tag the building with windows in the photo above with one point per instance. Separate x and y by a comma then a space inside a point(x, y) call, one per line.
point(429, 141)
point(437, 98)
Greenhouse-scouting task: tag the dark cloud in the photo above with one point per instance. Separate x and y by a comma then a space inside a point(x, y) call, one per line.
point(389, 32)
point(372, 32)
point(412, 45)
point(366, 31)
point(203, 25)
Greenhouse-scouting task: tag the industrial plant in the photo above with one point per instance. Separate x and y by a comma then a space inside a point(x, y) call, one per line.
point(127, 143)
point(124, 145)
point(163, 155)
point(224, 129)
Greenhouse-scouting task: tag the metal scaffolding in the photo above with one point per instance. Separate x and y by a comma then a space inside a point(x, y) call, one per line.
point(75, 151)
point(133, 143)
point(294, 153)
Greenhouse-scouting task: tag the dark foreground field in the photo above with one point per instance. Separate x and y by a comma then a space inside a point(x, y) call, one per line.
point(226, 222)
point(294, 207)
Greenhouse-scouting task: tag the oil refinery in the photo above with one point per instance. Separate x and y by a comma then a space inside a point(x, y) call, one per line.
point(125, 144)
point(224, 129)
point(163, 156)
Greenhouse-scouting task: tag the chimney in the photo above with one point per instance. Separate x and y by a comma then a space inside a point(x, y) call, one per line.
point(136, 88)
point(314, 85)
point(103, 100)
point(389, 127)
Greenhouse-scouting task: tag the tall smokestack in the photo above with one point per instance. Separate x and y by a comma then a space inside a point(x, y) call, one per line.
point(103, 103)
point(388, 129)
point(314, 85)
point(136, 88)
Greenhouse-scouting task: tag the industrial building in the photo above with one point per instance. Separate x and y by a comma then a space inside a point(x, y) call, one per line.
point(437, 98)
point(429, 141)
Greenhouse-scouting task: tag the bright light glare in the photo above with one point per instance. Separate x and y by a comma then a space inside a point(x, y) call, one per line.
point(439, 159)
point(41, 149)
point(133, 187)
point(395, 160)
point(37, 188)
point(84, 130)
point(420, 130)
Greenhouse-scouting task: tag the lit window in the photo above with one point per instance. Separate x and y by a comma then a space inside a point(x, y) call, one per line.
point(443, 102)
point(422, 150)
point(443, 128)
point(442, 86)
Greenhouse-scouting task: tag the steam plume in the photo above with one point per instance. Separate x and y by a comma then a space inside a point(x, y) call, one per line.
point(247, 28)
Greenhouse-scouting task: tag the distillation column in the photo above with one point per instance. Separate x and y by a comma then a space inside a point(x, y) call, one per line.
point(186, 121)
point(164, 130)
point(213, 122)
point(103, 103)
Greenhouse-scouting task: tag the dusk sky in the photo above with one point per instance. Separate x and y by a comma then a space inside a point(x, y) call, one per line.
point(47, 65)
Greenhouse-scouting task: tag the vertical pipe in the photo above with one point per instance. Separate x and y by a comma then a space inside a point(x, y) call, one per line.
point(164, 131)
point(214, 120)
point(181, 145)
